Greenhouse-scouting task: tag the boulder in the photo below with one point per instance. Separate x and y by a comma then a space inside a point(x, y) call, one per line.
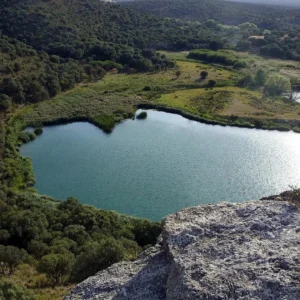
point(248, 250)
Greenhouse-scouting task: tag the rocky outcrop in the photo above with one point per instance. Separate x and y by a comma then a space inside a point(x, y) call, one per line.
point(248, 250)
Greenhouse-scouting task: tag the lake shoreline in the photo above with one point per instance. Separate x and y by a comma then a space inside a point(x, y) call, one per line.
point(119, 164)
point(256, 125)
point(281, 125)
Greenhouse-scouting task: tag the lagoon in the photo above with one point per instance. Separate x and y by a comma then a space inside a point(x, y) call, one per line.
point(154, 167)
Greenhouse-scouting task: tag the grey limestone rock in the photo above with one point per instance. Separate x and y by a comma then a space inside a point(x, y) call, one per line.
point(247, 250)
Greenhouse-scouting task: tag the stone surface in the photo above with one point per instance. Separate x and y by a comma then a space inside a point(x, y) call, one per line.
point(249, 250)
point(144, 278)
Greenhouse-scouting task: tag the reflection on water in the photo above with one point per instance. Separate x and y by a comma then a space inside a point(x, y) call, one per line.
point(296, 96)
point(157, 166)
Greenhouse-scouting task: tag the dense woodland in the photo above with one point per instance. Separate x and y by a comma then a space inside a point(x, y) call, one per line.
point(278, 25)
point(48, 47)
point(226, 12)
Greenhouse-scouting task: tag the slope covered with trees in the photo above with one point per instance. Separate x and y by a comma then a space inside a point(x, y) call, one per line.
point(49, 46)
point(226, 12)
point(77, 29)
point(268, 30)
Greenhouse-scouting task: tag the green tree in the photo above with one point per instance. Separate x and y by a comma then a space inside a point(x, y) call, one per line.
point(56, 266)
point(10, 258)
point(96, 258)
point(37, 248)
point(278, 84)
point(250, 27)
point(76, 233)
point(260, 77)
point(36, 92)
point(211, 84)
point(246, 81)
point(12, 291)
point(203, 75)
point(5, 102)
point(146, 232)
point(4, 235)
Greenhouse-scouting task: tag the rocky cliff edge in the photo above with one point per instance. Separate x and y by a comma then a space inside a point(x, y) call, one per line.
point(247, 250)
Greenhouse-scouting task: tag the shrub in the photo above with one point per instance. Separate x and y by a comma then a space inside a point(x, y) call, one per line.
point(5, 102)
point(204, 74)
point(146, 232)
point(178, 73)
point(37, 248)
point(260, 77)
point(142, 116)
point(239, 64)
point(222, 57)
point(38, 131)
point(97, 258)
point(12, 291)
point(56, 266)
point(277, 84)
point(41, 281)
point(211, 84)
point(26, 136)
point(10, 258)
point(147, 88)
point(107, 65)
point(247, 80)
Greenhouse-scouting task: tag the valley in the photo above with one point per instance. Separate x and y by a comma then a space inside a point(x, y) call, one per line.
point(218, 81)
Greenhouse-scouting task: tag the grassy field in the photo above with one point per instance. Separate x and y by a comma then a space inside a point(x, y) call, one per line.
point(209, 102)
point(288, 68)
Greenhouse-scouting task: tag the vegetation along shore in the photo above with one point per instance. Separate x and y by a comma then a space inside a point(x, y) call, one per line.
point(68, 60)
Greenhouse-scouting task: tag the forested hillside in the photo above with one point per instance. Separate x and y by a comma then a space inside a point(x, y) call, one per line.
point(271, 31)
point(226, 12)
point(73, 28)
point(49, 46)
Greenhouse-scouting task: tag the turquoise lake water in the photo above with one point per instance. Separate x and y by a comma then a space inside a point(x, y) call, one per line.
point(154, 167)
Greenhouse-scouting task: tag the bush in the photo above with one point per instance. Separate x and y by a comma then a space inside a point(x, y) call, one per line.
point(38, 131)
point(178, 73)
point(211, 84)
point(12, 291)
point(147, 88)
point(41, 281)
point(239, 64)
point(278, 85)
point(221, 57)
point(56, 266)
point(260, 77)
point(146, 232)
point(247, 80)
point(107, 65)
point(37, 248)
point(10, 258)
point(5, 102)
point(97, 258)
point(26, 136)
point(142, 116)
point(204, 74)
